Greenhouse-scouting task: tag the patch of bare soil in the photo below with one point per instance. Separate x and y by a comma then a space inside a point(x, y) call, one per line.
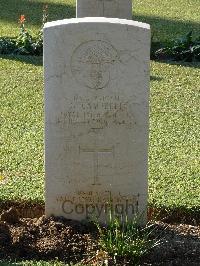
point(24, 209)
point(180, 245)
point(71, 241)
point(44, 239)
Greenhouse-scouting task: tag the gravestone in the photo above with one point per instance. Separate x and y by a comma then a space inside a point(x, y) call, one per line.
point(104, 8)
point(96, 117)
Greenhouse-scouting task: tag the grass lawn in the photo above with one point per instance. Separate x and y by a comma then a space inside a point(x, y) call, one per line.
point(169, 18)
point(21, 138)
point(174, 131)
point(173, 158)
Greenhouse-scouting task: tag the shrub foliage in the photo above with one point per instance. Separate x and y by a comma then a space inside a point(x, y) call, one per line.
point(181, 49)
point(25, 43)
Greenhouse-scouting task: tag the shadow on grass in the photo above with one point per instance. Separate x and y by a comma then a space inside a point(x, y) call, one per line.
point(155, 78)
point(177, 63)
point(32, 60)
point(163, 30)
point(7, 263)
point(38, 61)
point(175, 215)
point(11, 10)
point(185, 64)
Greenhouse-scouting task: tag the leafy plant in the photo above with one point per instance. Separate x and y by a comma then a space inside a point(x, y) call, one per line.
point(39, 38)
point(7, 46)
point(25, 40)
point(126, 240)
point(25, 43)
point(181, 49)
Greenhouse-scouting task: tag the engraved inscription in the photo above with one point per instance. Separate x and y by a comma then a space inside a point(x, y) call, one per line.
point(97, 112)
point(96, 151)
point(91, 63)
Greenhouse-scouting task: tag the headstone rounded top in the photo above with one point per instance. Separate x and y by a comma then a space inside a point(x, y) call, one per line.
point(64, 22)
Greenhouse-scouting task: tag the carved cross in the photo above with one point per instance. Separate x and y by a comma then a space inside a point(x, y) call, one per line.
point(96, 151)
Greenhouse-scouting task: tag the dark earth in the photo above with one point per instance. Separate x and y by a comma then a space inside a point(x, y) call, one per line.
point(39, 238)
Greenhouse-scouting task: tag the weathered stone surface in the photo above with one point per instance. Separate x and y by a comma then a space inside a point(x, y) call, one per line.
point(96, 116)
point(104, 8)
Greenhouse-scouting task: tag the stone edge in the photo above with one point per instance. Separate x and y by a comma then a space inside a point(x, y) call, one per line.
point(96, 20)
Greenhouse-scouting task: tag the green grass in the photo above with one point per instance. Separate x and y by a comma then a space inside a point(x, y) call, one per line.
point(21, 138)
point(174, 132)
point(169, 18)
point(11, 10)
point(173, 157)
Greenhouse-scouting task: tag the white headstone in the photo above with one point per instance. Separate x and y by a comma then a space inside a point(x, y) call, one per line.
point(104, 8)
point(96, 117)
